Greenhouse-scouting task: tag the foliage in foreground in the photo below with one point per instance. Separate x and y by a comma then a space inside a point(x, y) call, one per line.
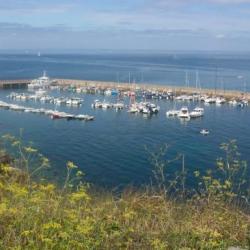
point(39, 215)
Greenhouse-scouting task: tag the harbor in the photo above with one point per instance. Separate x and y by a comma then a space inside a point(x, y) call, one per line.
point(133, 98)
point(194, 120)
point(83, 86)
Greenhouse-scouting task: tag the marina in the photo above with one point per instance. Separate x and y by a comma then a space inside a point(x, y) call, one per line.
point(128, 116)
point(138, 99)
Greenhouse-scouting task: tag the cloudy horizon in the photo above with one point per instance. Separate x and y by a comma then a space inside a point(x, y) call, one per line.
point(218, 25)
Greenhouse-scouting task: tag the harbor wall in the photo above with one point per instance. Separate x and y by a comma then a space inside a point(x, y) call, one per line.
point(228, 94)
point(14, 84)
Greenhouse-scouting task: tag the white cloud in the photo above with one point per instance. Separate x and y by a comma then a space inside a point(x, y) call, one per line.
point(220, 36)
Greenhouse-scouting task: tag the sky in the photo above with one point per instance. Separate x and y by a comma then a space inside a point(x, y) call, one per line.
point(209, 25)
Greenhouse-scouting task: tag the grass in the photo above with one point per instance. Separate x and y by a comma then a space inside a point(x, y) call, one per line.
point(41, 215)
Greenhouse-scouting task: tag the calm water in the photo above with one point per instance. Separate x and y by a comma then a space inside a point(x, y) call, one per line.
point(216, 71)
point(111, 149)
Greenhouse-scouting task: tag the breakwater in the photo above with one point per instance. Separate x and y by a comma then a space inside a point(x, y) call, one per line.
point(13, 84)
point(178, 90)
point(102, 85)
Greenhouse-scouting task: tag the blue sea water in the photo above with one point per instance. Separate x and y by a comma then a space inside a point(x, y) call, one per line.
point(222, 71)
point(111, 149)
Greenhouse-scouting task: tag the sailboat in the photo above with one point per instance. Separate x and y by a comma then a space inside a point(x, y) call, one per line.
point(174, 111)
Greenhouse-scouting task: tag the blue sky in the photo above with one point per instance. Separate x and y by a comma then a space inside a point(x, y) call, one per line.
point(125, 24)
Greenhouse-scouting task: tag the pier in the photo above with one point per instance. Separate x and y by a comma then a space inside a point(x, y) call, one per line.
point(178, 90)
point(103, 85)
point(14, 84)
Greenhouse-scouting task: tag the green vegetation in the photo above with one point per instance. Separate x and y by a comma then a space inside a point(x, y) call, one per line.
point(40, 215)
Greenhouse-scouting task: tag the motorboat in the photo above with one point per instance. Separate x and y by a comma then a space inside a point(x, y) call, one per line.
point(118, 106)
point(41, 82)
point(220, 100)
point(172, 112)
point(108, 92)
point(97, 104)
point(40, 92)
point(210, 100)
point(133, 109)
point(204, 132)
point(146, 111)
point(106, 105)
point(184, 113)
point(233, 102)
point(197, 112)
point(154, 109)
point(74, 101)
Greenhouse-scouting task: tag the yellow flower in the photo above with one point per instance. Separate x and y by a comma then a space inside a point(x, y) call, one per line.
point(26, 233)
point(158, 244)
point(86, 226)
point(52, 225)
point(16, 143)
point(30, 150)
point(79, 173)
point(64, 235)
point(216, 234)
point(3, 208)
point(47, 188)
point(71, 165)
point(129, 215)
point(196, 173)
point(47, 241)
point(80, 195)
point(17, 190)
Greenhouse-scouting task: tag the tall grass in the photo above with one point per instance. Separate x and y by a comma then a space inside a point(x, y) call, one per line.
point(42, 215)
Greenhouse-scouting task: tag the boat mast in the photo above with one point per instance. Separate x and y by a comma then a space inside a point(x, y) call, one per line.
point(198, 82)
point(245, 87)
point(216, 79)
point(187, 79)
point(222, 85)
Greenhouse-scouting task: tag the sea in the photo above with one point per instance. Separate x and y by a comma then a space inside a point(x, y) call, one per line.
point(115, 150)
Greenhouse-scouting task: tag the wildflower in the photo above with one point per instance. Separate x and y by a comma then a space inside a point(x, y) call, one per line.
point(129, 215)
point(228, 184)
point(158, 244)
point(16, 143)
point(47, 241)
point(197, 173)
point(52, 225)
point(215, 234)
point(45, 162)
point(64, 235)
point(71, 165)
point(30, 150)
point(79, 173)
point(47, 188)
point(26, 233)
point(3, 208)
point(80, 195)
point(18, 190)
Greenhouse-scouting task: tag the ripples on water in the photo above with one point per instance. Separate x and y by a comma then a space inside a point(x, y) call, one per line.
point(111, 149)
point(216, 70)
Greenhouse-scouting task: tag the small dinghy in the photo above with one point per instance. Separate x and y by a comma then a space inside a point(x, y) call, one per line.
point(204, 132)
